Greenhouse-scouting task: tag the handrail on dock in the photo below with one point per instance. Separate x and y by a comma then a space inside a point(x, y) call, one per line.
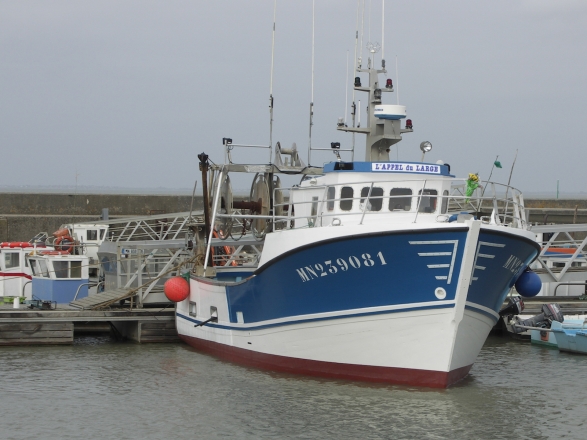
point(86, 284)
point(569, 284)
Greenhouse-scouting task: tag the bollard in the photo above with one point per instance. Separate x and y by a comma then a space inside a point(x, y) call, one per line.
point(16, 303)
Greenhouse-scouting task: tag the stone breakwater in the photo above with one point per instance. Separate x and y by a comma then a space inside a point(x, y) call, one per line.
point(23, 215)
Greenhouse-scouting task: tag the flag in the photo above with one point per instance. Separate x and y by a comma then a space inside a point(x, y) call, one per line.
point(497, 163)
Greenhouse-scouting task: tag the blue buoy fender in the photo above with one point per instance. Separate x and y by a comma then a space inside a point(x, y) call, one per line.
point(528, 284)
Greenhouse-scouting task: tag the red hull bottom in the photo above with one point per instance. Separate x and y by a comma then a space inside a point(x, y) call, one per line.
point(365, 373)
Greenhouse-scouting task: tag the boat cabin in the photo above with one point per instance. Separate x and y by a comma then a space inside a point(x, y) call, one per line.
point(352, 189)
point(15, 272)
point(58, 276)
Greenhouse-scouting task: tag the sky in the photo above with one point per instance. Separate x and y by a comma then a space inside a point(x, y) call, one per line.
point(127, 93)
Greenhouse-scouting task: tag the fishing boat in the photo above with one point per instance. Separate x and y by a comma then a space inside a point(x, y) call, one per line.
point(76, 242)
point(374, 270)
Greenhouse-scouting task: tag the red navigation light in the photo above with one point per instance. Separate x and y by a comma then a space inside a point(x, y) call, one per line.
point(389, 84)
point(409, 124)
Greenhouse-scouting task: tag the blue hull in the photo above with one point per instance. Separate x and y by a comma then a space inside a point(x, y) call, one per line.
point(409, 270)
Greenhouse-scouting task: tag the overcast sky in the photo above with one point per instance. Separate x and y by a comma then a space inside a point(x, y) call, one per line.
point(127, 93)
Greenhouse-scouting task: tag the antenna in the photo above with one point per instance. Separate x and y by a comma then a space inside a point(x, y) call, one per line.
point(271, 81)
point(346, 86)
point(369, 20)
point(354, 106)
point(383, 34)
point(510, 179)
point(312, 98)
point(396, 81)
point(360, 60)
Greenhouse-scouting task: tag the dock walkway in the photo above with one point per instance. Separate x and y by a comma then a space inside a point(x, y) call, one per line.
point(102, 299)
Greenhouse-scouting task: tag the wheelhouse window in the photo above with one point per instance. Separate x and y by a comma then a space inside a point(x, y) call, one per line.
point(444, 204)
point(428, 200)
point(67, 268)
point(34, 268)
point(400, 199)
point(314, 212)
point(75, 270)
point(11, 259)
point(44, 272)
point(102, 232)
point(330, 195)
point(61, 269)
point(92, 234)
point(346, 198)
point(375, 200)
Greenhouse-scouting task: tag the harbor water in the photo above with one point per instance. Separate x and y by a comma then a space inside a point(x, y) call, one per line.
point(99, 388)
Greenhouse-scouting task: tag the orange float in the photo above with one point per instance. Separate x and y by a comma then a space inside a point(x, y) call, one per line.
point(64, 243)
point(176, 289)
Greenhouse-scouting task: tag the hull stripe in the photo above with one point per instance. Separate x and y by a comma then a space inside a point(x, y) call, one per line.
point(333, 370)
point(16, 275)
point(245, 327)
point(483, 310)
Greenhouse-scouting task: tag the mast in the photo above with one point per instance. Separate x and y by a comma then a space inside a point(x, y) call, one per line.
point(381, 132)
point(271, 82)
point(312, 93)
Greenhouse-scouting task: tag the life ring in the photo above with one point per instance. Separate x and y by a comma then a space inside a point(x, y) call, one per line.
point(64, 244)
point(228, 251)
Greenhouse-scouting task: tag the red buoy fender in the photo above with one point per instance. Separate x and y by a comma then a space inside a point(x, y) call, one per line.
point(176, 289)
point(20, 244)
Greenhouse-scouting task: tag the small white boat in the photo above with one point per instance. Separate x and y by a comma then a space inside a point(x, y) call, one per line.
point(548, 338)
point(571, 337)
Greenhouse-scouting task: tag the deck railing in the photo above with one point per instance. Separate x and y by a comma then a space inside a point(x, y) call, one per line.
point(491, 202)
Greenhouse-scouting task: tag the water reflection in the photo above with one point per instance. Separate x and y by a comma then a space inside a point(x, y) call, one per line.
point(99, 388)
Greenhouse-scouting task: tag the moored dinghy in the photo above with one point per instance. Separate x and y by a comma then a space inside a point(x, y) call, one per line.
point(571, 337)
point(379, 270)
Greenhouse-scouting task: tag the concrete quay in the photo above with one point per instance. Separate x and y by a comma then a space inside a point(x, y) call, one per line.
point(59, 326)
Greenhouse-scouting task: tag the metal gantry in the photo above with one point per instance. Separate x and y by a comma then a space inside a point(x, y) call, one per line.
point(563, 258)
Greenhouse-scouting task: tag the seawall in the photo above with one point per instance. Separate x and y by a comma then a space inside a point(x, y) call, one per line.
point(23, 215)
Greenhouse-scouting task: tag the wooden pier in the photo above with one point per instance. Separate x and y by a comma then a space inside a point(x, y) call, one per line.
point(570, 305)
point(59, 326)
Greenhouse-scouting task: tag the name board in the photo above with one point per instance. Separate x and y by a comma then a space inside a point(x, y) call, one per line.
point(405, 167)
point(125, 251)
